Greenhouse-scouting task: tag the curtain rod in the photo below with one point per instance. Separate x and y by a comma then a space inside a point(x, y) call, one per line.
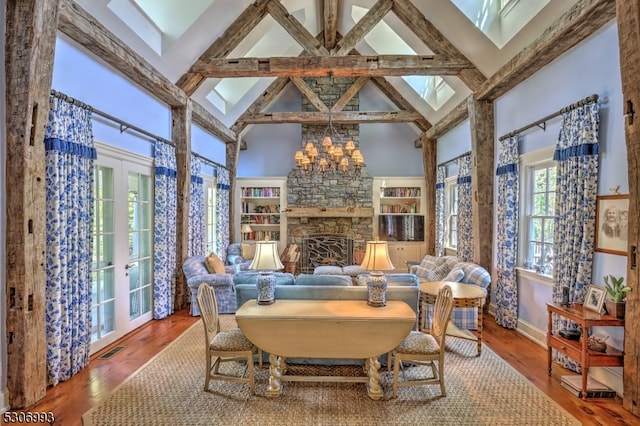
point(542, 122)
point(464, 154)
point(124, 125)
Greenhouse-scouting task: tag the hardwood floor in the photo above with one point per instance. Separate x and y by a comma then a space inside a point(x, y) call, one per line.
point(69, 400)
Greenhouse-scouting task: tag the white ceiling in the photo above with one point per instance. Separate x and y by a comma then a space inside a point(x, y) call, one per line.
point(172, 34)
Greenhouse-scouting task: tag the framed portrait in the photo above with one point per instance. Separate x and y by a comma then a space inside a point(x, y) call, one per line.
point(612, 224)
point(594, 298)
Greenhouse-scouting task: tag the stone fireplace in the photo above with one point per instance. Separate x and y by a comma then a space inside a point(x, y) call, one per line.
point(333, 203)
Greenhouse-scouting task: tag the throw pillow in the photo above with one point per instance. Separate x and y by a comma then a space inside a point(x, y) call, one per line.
point(248, 251)
point(455, 275)
point(214, 264)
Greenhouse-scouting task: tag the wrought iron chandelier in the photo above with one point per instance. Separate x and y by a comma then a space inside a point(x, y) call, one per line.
point(334, 155)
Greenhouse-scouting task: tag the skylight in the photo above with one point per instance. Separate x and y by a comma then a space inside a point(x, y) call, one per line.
point(385, 41)
point(267, 39)
point(500, 20)
point(159, 23)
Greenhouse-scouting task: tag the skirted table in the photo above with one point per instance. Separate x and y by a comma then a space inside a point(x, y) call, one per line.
point(464, 296)
point(338, 329)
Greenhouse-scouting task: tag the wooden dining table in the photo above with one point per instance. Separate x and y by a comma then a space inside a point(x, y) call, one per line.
point(334, 329)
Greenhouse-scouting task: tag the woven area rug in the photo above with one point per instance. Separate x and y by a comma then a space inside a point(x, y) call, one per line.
point(168, 390)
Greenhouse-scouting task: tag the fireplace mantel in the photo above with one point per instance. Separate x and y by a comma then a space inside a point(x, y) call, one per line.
point(329, 212)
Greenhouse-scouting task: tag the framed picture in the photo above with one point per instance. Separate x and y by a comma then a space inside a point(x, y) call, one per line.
point(612, 224)
point(594, 298)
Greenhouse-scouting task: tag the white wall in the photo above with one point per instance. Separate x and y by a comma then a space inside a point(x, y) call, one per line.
point(589, 68)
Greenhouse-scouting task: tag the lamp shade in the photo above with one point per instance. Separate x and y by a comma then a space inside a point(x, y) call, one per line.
point(246, 228)
point(266, 257)
point(376, 256)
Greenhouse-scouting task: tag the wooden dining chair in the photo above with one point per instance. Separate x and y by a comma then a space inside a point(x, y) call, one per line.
point(223, 346)
point(420, 348)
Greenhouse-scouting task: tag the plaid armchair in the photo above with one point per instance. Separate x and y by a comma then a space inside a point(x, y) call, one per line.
point(449, 268)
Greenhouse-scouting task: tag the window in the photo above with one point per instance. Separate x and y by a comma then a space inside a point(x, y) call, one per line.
point(210, 208)
point(538, 201)
point(451, 212)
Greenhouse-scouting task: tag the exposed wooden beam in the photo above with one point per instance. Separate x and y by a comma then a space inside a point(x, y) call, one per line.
point(339, 117)
point(295, 29)
point(349, 94)
point(628, 13)
point(338, 66)
point(261, 102)
point(29, 46)
point(308, 93)
point(211, 124)
point(401, 102)
point(87, 31)
point(229, 40)
point(362, 27)
point(429, 160)
point(330, 20)
point(456, 116)
point(435, 40)
point(575, 25)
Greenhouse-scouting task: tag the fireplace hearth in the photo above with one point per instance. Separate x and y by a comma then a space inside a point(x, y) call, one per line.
point(326, 250)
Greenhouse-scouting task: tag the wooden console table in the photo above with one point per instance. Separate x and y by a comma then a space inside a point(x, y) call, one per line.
point(578, 350)
point(339, 329)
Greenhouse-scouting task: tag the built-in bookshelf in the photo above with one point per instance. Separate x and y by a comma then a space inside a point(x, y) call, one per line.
point(260, 206)
point(400, 200)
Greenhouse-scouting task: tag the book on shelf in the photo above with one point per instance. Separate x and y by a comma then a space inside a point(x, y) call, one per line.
point(595, 389)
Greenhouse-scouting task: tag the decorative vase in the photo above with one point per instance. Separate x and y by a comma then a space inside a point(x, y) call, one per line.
point(266, 285)
point(376, 289)
point(615, 309)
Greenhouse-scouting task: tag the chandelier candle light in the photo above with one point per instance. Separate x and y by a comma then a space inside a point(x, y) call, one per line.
point(376, 260)
point(266, 260)
point(330, 156)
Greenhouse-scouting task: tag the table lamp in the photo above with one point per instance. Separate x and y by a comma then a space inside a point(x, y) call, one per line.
point(246, 229)
point(376, 260)
point(266, 260)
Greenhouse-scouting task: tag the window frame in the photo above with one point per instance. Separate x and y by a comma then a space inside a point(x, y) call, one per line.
point(209, 187)
point(530, 162)
point(450, 184)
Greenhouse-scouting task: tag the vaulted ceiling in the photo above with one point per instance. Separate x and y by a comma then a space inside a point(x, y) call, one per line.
point(233, 57)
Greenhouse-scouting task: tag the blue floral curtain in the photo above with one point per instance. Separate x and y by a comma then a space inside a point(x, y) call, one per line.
point(440, 213)
point(70, 156)
point(465, 210)
point(164, 268)
point(222, 210)
point(197, 214)
point(575, 215)
point(507, 176)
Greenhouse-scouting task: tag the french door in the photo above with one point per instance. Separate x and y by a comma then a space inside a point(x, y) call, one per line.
point(122, 270)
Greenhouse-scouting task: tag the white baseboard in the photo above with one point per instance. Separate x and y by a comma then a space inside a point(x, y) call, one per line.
point(605, 375)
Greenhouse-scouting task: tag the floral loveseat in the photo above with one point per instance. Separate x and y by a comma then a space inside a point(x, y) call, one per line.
point(449, 268)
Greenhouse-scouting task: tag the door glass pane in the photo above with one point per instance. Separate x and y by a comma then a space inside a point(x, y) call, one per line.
point(103, 277)
point(140, 244)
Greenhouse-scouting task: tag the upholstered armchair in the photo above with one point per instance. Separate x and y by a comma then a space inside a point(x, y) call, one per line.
point(240, 255)
point(197, 274)
point(449, 268)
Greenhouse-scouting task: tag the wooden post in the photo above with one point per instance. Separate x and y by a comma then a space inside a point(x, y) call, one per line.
point(232, 154)
point(29, 48)
point(181, 136)
point(482, 171)
point(627, 13)
point(429, 150)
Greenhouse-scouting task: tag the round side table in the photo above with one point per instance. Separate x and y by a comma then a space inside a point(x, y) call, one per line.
point(464, 296)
